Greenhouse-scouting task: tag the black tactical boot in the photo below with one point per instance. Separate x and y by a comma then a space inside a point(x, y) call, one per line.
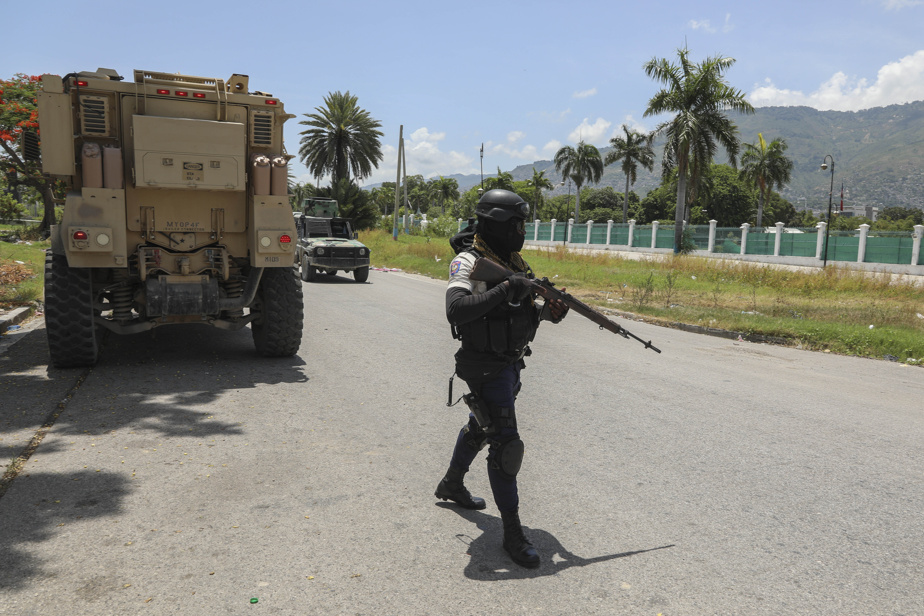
point(515, 542)
point(452, 488)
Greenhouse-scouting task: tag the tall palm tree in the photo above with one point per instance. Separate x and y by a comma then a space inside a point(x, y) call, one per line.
point(580, 163)
point(633, 150)
point(343, 139)
point(765, 167)
point(538, 182)
point(699, 97)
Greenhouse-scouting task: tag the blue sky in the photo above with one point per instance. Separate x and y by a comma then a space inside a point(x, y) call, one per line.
point(522, 78)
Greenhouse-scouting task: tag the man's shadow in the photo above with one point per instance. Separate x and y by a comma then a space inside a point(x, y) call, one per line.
point(489, 561)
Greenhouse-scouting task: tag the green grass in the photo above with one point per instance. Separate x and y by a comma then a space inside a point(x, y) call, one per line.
point(16, 292)
point(829, 309)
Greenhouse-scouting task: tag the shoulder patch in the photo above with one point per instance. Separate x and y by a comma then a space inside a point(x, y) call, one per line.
point(454, 268)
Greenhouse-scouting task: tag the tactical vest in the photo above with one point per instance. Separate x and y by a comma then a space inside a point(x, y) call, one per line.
point(505, 329)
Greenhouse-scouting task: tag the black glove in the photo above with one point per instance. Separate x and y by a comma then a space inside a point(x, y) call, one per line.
point(520, 287)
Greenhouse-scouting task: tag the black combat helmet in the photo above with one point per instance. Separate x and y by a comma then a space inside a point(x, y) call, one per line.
point(501, 205)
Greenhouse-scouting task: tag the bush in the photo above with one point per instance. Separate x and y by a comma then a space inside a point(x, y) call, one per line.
point(10, 208)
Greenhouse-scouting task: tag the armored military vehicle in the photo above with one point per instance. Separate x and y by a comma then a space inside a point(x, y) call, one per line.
point(176, 212)
point(327, 243)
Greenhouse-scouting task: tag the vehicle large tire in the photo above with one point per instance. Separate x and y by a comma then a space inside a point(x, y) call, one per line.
point(277, 329)
point(361, 274)
point(304, 269)
point(69, 325)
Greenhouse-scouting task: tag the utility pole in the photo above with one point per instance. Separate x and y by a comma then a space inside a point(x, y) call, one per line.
point(398, 182)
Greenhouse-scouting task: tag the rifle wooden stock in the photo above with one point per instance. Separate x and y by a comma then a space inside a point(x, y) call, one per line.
point(488, 271)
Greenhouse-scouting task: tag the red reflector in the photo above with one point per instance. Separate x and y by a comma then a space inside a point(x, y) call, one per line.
point(270, 101)
point(163, 91)
point(285, 239)
point(80, 235)
point(83, 84)
point(198, 94)
point(181, 93)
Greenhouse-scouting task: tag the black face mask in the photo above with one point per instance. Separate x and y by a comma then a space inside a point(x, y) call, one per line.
point(504, 237)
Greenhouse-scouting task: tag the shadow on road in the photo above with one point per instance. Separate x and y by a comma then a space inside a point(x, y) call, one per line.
point(489, 561)
point(47, 504)
point(166, 383)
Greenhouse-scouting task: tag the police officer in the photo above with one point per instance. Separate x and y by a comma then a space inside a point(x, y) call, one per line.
point(495, 323)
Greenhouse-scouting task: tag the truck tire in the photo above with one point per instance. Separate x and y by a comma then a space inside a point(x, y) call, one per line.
point(309, 272)
point(305, 266)
point(277, 330)
point(69, 324)
point(361, 274)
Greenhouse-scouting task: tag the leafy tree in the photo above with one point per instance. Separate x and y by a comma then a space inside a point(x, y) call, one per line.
point(299, 192)
point(581, 163)
point(343, 139)
point(897, 214)
point(698, 96)
point(601, 204)
point(19, 113)
point(384, 197)
point(658, 204)
point(503, 179)
point(779, 209)
point(633, 150)
point(765, 167)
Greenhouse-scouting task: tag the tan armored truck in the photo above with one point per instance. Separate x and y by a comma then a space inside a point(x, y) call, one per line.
point(176, 211)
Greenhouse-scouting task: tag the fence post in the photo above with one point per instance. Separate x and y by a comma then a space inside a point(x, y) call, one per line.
point(631, 232)
point(654, 233)
point(609, 231)
point(712, 224)
point(570, 229)
point(864, 234)
point(590, 225)
point(744, 238)
point(536, 230)
point(819, 243)
point(552, 237)
point(459, 230)
point(779, 238)
point(916, 247)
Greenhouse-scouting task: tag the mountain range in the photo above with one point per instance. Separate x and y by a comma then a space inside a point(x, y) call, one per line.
point(878, 156)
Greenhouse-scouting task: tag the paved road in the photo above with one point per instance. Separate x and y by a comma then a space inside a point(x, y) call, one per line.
point(183, 475)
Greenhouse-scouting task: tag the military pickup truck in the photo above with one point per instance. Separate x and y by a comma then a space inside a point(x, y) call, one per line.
point(327, 243)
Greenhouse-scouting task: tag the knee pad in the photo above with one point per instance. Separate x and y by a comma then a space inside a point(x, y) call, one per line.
point(506, 457)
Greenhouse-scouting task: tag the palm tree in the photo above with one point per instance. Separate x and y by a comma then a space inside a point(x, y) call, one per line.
point(698, 96)
point(446, 189)
point(503, 179)
point(580, 163)
point(765, 167)
point(538, 182)
point(343, 139)
point(633, 150)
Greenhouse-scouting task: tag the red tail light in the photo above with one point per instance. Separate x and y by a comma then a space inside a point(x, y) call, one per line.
point(270, 101)
point(285, 239)
point(82, 83)
point(198, 94)
point(181, 93)
point(163, 91)
point(80, 235)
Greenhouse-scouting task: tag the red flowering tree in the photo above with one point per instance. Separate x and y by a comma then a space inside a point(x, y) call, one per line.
point(18, 113)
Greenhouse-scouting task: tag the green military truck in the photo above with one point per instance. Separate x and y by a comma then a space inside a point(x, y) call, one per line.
point(176, 211)
point(327, 243)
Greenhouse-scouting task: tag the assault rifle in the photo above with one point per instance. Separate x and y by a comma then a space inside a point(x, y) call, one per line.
point(486, 270)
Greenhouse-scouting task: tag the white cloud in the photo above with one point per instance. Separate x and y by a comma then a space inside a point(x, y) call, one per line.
point(424, 157)
point(514, 136)
point(633, 124)
point(729, 26)
point(585, 93)
point(701, 24)
point(896, 83)
point(549, 149)
point(897, 5)
point(590, 133)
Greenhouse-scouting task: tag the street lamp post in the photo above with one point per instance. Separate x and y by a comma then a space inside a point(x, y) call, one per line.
point(824, 166)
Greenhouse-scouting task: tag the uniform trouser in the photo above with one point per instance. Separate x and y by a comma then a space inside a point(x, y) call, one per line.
point(499, 392)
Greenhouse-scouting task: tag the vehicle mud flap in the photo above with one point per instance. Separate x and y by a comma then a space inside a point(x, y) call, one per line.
point(166, 296)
